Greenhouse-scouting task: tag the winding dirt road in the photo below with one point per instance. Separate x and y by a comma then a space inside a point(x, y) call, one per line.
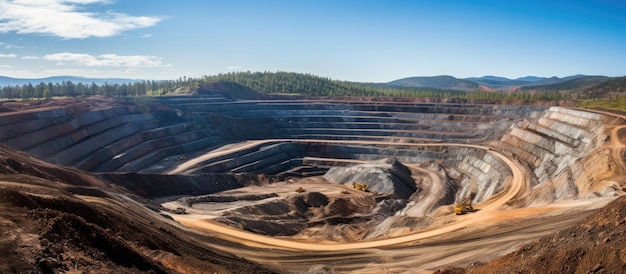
point(434, 192)
point(516, 186)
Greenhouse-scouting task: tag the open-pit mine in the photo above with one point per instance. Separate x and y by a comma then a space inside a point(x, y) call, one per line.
point(211, 184)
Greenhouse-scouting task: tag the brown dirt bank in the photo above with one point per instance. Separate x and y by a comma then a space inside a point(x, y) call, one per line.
point(48, 225)
point(595, 245)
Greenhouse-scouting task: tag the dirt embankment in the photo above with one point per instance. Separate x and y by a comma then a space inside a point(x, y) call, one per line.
point(56, 220)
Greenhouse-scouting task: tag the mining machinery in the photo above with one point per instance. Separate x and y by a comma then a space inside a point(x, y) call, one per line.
point(464, 205)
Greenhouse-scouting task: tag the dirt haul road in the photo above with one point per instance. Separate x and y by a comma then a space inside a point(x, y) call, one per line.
point(516, 186)
point(617, 144)
point(434, 191)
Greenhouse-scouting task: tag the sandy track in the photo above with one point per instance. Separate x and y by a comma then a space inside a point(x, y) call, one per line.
point(516, 186)
point(618, 147)
point(434, 192)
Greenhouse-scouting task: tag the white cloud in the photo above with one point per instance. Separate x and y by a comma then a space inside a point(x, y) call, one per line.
point(105, 60)
point(30, 57)
point(146, 36)
point(66, 19)
point(12, 55)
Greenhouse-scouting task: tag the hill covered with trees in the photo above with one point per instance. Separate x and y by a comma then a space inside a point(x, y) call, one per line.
point(311, 85)
point(304, 84)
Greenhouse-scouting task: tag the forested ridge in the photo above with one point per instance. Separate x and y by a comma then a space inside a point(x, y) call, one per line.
point(308, 84)
point(290, 83)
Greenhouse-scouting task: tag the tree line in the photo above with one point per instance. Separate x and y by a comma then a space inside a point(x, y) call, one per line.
point(264, 82)
point(68, 88)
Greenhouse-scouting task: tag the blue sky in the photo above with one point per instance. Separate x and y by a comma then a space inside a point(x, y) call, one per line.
point(355, 40)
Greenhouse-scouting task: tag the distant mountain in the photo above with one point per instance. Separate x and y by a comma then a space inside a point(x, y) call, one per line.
point(531, 79)
point(492, 82)
point(497, 82)
point(435, 82)
point(571, 83)
point(489, 78)
point(556, 80)
point(9, 81)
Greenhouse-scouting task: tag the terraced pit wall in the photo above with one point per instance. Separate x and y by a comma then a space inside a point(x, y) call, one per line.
point(156, 137)
point(563, 152)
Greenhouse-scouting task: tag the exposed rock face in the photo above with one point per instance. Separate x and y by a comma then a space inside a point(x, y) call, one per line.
point(558, 149)
point(485, 173)
point(151, 135)
point(553, 146)
point(387, 176)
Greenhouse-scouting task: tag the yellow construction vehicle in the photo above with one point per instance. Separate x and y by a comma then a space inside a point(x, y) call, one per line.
point(464, 206)
point(360, 186)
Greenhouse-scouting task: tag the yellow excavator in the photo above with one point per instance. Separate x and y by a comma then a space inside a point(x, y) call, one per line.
point(464, 206)
point(360, 186)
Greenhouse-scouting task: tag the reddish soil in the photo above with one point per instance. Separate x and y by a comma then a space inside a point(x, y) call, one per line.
point(595, 245)
point(84, 224)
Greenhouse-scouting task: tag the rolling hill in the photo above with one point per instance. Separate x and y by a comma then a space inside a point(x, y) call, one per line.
point(569, 83)
point(443, 82)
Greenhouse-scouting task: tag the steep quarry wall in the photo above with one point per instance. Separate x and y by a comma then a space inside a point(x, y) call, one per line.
point(155, 136)
point(560, 151)
point(151, 135)
point(121, 136)
point(481, 174)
